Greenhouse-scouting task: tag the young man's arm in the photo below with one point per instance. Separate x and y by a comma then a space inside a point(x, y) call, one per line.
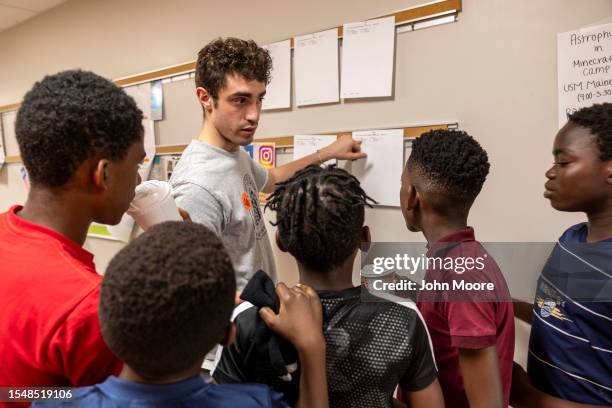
point(525, 395)
point(201, 206)
point(345, 148)
point(473, 332)
point(430, 396)
point(300, 321)
point(419, 386)
point(522, 310)
point(481, 377)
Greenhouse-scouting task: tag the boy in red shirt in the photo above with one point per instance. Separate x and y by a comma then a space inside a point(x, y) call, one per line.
point(472, 331)
point(81, 140)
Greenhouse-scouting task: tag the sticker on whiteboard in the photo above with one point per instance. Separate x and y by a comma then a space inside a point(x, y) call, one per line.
point(262, 153)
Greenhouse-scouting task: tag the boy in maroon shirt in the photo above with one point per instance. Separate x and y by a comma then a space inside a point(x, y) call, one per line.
point(81, 140)
point(472, 330)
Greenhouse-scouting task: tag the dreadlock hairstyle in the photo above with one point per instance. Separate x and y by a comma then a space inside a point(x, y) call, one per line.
point(598, 119)
point(451, 162)
point(319, 215)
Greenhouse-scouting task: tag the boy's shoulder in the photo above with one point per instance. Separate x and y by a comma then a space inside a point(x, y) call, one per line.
point(78, 397)
point(396, 307)
point(217, 395)
point(575, 233)
point(245, 395)
point(365, 307)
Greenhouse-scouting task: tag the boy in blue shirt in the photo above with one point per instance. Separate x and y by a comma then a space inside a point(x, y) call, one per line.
point(166, 299)
point(570, 347)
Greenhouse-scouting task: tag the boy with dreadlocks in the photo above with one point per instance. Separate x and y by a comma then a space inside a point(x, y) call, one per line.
point(570, 347)
point(472, 332)
point(371, 346)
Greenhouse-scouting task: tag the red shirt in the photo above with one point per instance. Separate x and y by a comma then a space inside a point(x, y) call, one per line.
point(467, 319)
point(49, 290)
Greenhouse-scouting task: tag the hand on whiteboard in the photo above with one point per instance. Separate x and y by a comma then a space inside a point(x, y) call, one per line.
point(345, 148)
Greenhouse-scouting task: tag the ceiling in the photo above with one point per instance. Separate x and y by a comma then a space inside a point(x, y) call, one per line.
point(13, 12)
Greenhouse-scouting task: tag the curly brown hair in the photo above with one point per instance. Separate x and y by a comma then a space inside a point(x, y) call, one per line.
point(222, 57)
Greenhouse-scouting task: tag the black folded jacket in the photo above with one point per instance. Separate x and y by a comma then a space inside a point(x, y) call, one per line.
point(283, 356)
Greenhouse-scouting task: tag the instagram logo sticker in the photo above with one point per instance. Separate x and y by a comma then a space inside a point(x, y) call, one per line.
point(266, 155)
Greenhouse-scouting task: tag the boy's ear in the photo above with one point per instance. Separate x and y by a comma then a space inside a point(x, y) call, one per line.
point(366, 239)
point(413, 198)
point(230, 335)
point(279, 243)
point(608, 170)
point(205, 99)
point(100, 174)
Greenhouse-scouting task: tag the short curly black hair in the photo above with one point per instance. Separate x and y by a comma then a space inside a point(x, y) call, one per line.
point(598, 119)
point(222, 57)
point(167, 298)
point(451, 161)
point(319, 215)
point(69, 117)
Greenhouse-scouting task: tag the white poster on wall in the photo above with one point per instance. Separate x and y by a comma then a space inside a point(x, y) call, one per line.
point(8, 131)
point(278, 91)
point(142, 95)
point(316, 68)
point(304, 145)
point(381, 171)
point(584, 68)
point(367, 58)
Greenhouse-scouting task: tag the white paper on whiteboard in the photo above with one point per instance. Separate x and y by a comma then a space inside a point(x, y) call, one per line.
point(142, 95)
point(8, 129)
point(380, 173)
point(303, 145)
point(316, 68)
point(150, 150)
point(278, 91)
point(367, 58)
point(584, 67)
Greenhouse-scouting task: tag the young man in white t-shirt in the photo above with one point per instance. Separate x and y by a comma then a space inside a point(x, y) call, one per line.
point(216, 181)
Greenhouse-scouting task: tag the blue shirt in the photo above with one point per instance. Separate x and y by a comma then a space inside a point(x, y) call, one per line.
point(570, 347)
point(194, 392)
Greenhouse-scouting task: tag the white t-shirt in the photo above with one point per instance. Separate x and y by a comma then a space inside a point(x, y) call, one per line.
point(220, 189)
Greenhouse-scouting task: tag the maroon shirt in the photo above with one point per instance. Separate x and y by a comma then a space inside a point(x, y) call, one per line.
point(467, 319)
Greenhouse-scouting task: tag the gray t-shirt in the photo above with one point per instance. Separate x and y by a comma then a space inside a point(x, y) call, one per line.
point(220, 189)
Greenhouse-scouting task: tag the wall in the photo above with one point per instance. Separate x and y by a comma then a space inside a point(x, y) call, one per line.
point(494, 72)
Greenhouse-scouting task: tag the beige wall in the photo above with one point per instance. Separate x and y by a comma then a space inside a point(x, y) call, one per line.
point(494, 72)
